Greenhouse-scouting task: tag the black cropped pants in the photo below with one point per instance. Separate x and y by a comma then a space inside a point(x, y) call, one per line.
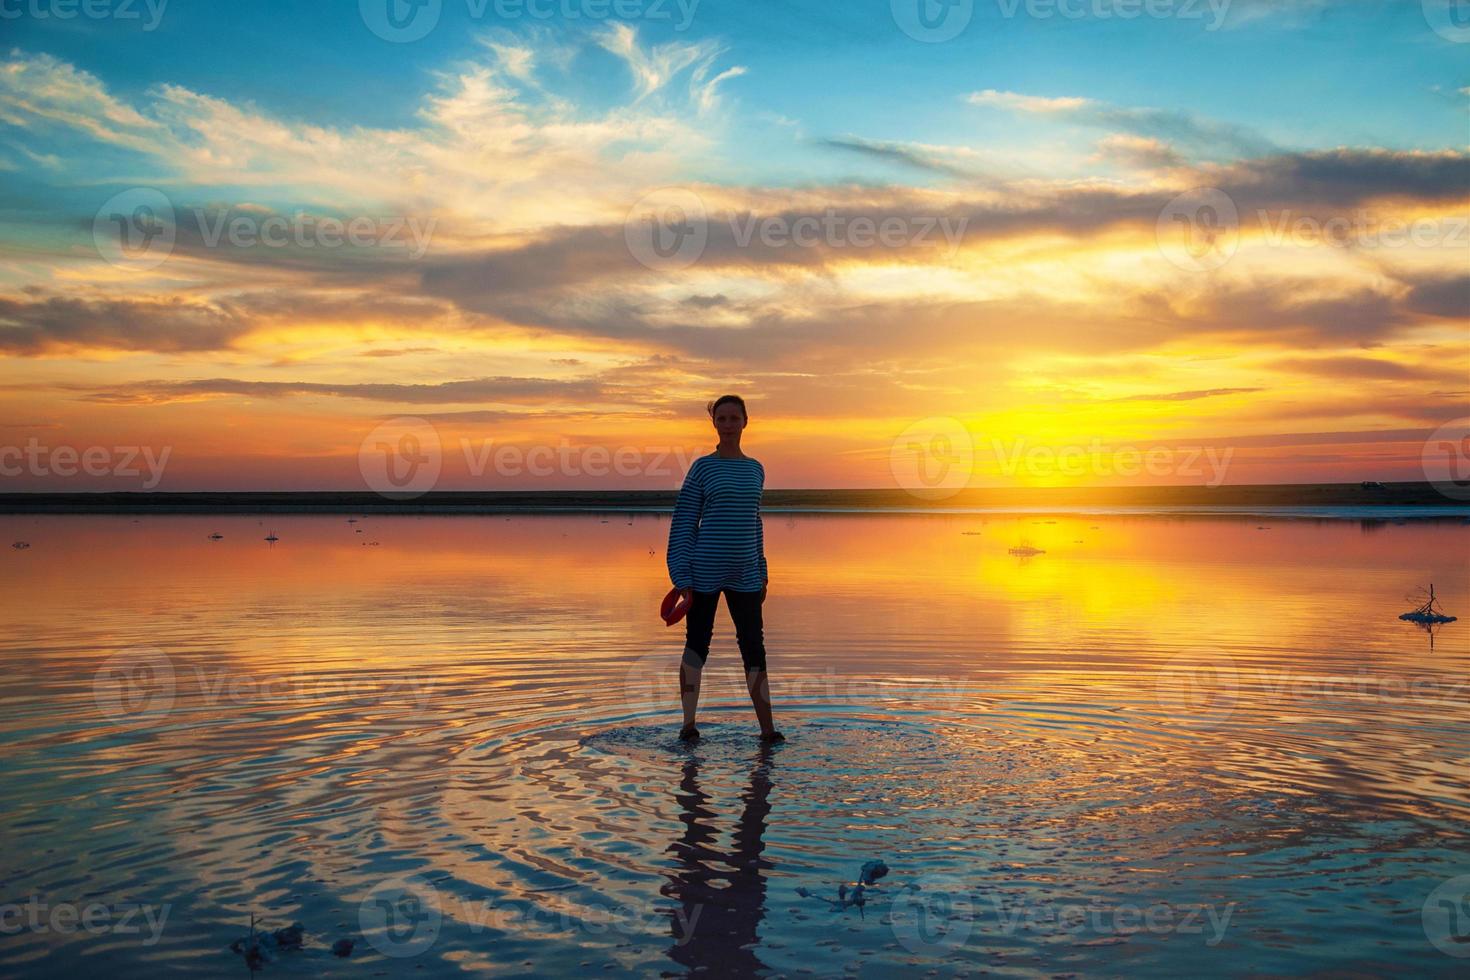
point(745, 612)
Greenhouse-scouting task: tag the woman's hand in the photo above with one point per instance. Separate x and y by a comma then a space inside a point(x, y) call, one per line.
point(687, 594)
point(763, 591)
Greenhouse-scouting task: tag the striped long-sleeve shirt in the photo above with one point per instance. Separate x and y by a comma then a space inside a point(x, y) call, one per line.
point(716, 539)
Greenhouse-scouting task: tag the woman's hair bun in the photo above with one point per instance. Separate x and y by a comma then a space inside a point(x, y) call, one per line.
point(713, 406)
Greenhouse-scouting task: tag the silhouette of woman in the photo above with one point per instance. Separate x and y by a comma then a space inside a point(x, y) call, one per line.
point(717, 546)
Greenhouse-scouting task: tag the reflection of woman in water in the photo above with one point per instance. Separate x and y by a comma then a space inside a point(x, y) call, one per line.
point(716, 545)
point(717, 921)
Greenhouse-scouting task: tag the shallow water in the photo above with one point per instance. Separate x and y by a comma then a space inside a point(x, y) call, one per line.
point(1166, 746)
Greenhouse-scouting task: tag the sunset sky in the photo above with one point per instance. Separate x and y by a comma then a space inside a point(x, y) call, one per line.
point(1058, 269)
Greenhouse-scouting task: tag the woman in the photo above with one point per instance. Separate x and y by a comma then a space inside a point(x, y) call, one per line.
point(716, 545)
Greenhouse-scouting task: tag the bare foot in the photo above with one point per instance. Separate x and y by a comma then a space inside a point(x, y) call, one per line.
point(772, 737)
point(688, 733)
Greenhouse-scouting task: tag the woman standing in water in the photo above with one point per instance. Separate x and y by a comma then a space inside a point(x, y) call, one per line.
point(716, 545)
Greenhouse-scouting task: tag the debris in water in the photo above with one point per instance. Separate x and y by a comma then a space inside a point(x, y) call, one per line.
point(289, 937)
point(867, 877)
point(272, 537)
point(250, 949)
point(1428, 614)
point(21, 545)
point(259, 948)
point(1026, 551)
point(342, 947)
point(216, 536)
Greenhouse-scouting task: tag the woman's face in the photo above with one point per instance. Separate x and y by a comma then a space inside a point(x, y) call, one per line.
point(729, 420)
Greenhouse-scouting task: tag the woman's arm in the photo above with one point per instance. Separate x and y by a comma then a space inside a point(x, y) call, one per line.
point(760, 541)
point(682, 529)
point(760, 530)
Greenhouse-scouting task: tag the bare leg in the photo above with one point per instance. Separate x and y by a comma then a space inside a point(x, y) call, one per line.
point(760, 695)
point(689, 678)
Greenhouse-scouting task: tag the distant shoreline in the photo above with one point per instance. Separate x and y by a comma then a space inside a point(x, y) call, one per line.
point(1391, 500)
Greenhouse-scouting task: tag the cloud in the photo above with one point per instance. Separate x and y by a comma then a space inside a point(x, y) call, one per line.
point(57, 325)
point(1344, 177)
point(1186, 396)
point(532, 190)
point(1367, 368)
point(40, 90)
point(1202, 136)
point(399, 352)
point(600, 416)
point(1415, 437)
point(1335, 406)
point(492, 152)
point(1282, 312)
point(50, 161)
point(947, 161)
point(654, 67)
point(1448, 297)
point(1038, 104)
point(494, 281)
point(497, 389)
point(702, 93)
point(337, 305)
point(1139, 153)
point(1294, 13)
point(37, 325)
point(517, 61)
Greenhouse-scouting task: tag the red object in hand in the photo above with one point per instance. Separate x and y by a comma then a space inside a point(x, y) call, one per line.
point(672, 613)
